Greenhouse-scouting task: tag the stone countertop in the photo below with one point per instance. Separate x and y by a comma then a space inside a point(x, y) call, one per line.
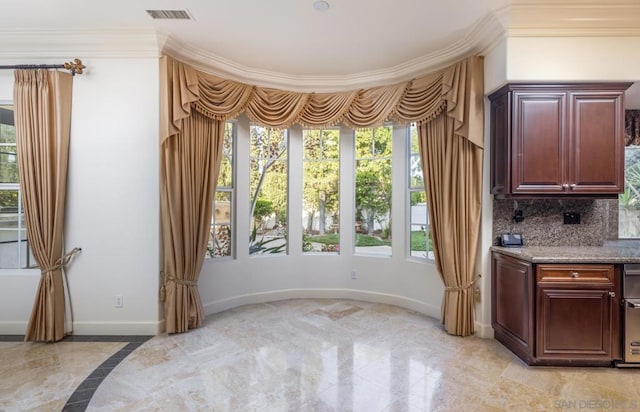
point(619, 251)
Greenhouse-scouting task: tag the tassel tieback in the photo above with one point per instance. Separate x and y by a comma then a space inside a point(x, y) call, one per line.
point(62, 262)
point(169, 278)
point(461, 288)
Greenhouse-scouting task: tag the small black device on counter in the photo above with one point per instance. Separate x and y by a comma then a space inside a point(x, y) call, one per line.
point(511, 240)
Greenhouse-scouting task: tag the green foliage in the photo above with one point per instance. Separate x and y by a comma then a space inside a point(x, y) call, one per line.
point(366, 240)
point(418, 197)
point(373, 174)
point(321, 174)
point(326, 239)
point(268, 178)
point(8, 158)
point(260, 246)
point(418, 241)
point(307, 246)
point(263, 208)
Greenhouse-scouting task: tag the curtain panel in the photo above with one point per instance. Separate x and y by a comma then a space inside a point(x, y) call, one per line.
point(452, 170)
point(185, 89)
point(42, 101)
point(454, 93)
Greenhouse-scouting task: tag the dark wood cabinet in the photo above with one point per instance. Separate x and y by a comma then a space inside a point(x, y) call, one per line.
point(576, 313)
point(557, 314)
point(512, 306)
point(557, 140)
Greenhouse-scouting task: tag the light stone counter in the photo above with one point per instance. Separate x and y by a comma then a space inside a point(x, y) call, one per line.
point(621, 251)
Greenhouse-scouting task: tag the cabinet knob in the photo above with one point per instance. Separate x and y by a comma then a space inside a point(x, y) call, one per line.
point(573, 186)
point(612, 295)
point(566, 185)
point(574, 274)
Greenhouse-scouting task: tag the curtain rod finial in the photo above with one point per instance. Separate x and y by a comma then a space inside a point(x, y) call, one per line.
point(75, 67)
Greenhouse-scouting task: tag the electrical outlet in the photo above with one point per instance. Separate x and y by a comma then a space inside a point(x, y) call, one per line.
point(119, 301)
point(354, 275)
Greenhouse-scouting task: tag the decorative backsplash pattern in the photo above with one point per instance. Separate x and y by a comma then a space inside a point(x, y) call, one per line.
point(543, 223)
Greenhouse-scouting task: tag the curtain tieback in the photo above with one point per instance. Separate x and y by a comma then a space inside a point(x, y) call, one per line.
point(460, 288)
point(62, 262)
point(171, 278)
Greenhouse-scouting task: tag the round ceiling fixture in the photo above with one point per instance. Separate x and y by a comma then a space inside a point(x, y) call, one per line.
point(321, 5)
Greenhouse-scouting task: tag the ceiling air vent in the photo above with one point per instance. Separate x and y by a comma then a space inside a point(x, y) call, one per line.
point(169, 14)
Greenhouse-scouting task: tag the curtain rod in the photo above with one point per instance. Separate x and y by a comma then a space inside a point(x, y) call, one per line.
point(75, 67)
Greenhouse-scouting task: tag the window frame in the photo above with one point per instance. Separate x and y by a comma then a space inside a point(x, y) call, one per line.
point(409, 190)
point(287, 163)
point(320, 160)
point(232, 196)
point(20, 229)
point(371, 157)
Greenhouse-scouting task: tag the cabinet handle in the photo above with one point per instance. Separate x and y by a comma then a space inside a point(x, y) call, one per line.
point(574, 274)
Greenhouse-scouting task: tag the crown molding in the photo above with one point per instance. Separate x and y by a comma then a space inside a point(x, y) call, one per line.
point(480, 37)
point(96, 43)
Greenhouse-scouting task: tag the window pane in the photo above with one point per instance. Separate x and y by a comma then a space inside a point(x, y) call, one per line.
point(13, 234)
point(416, 179)
point(420, 244)
point(225, 178)
point(420, 236)
point(8, 157)
point(419, 230)
point(268, 191)
point(373, 191)
point(321, 188)
point(629, 201)
point(220, 239)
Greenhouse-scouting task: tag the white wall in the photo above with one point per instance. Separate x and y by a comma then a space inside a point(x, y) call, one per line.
point(573, 58)
point(112, 203)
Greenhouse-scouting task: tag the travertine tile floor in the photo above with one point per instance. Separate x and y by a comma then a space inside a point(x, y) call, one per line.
point(310, 355)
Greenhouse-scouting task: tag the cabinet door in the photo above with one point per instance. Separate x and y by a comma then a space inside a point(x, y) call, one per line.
point(538, 158)
point(574, 322)
point(501, 144)
point(596, 160)
point(512, 292)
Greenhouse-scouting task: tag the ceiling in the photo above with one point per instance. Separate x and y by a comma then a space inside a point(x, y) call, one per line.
point(280, 36)
point(351, 43)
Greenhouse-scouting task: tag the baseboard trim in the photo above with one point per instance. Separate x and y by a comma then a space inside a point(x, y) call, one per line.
point(118, 328)
point(484, 330)
point(271, 296)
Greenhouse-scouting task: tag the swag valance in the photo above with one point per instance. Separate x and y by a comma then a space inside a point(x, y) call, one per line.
point(457, 88)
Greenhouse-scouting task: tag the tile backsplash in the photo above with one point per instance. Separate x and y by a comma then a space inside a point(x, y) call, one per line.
point(543, 223)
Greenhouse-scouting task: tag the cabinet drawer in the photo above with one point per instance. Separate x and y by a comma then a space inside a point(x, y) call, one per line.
point(575, 273)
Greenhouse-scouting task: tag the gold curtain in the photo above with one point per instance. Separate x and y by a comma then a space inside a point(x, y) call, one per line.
point(452, 166)
point(189, 165)
point(42, 101)
point(185, 89)
point(454, 92)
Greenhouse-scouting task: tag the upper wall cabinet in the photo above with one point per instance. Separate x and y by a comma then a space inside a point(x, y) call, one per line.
point(557, 140)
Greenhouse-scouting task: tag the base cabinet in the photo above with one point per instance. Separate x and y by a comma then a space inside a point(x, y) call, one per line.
point(573, 310)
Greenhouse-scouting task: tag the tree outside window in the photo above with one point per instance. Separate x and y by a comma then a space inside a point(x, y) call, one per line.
point(373, 190)
point(321, 188)
point(268, 189)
